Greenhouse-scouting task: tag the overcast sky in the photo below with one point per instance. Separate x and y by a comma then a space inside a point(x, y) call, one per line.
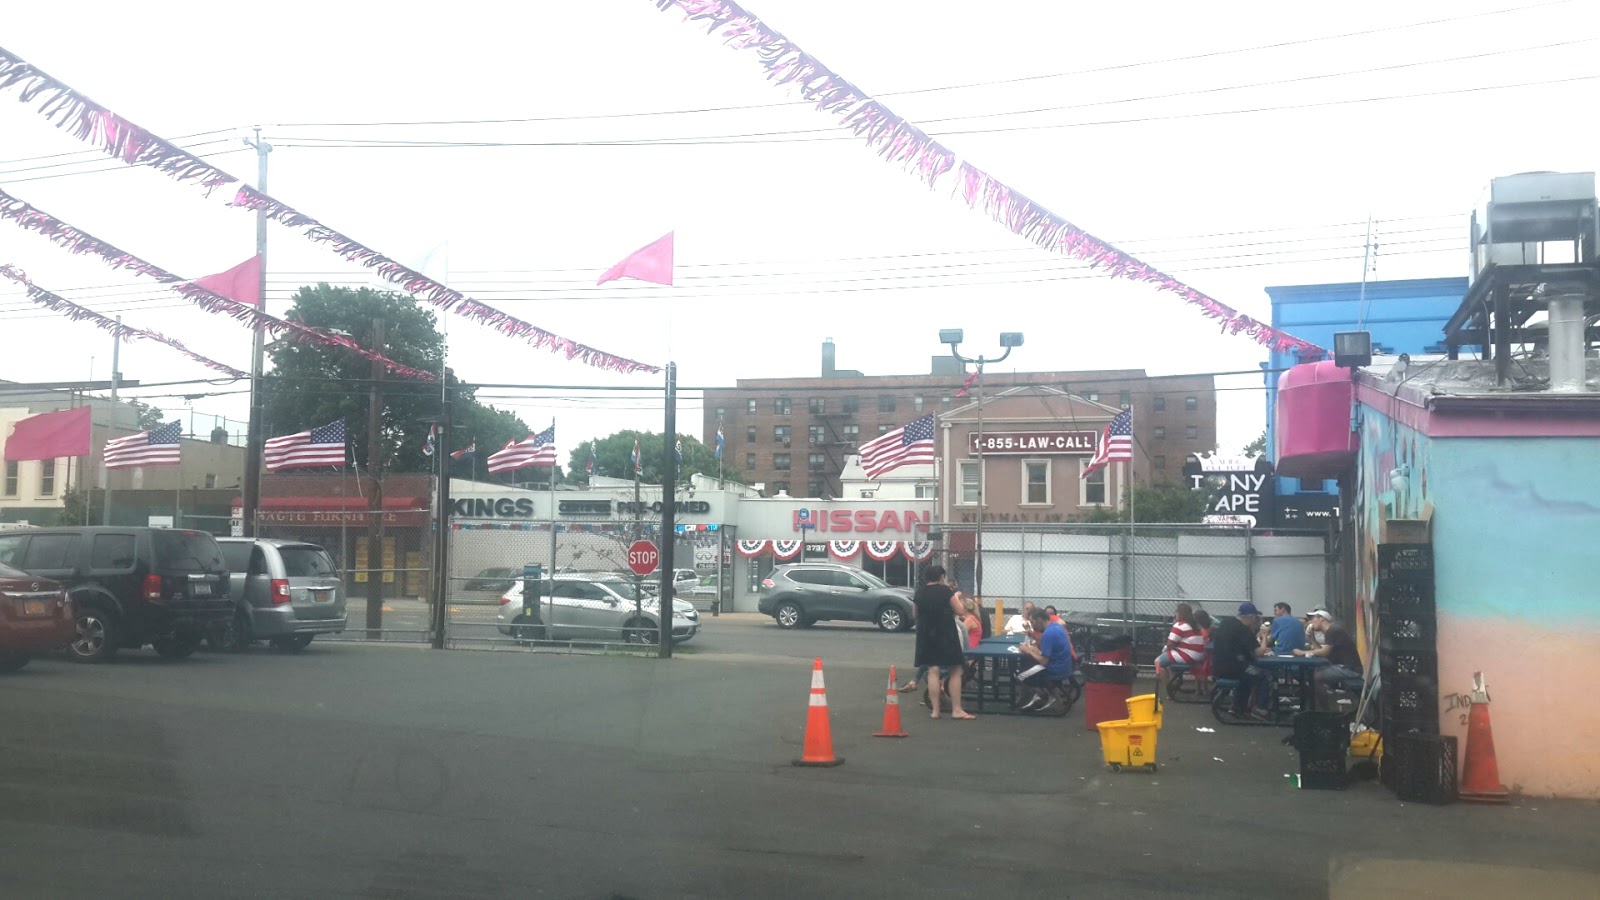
point(1176, 130)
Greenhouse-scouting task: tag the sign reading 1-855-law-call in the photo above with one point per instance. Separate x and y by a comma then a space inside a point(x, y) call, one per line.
point(1034, 442)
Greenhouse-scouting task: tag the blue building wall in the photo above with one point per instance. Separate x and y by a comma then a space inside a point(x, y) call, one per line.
point(1405, 316)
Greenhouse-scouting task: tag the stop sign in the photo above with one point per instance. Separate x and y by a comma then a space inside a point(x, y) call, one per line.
point(643, 557)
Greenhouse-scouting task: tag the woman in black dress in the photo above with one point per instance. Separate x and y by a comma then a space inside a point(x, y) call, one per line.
point(938, 643)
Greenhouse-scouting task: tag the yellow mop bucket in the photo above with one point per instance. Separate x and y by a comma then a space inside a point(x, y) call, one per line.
point(1131, 743)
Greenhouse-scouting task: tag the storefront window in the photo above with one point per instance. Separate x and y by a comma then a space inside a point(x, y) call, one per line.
point(1036, 482)
point(1094, 487)
point(969, 483)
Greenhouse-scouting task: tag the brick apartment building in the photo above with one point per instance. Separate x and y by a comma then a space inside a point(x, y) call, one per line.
point(792, 434)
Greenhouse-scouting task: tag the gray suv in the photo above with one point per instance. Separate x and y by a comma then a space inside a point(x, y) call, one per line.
point(600, 607)
point(284, 592)
point(805, 593)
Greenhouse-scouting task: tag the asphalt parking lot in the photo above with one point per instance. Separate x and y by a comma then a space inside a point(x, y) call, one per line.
point(402, 772)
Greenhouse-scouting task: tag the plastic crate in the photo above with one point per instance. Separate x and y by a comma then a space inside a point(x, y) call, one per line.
point(1411, 698)
point(1408, 664)
point(1393, 723)
point(1405, 598)
point(1424, 768)
point(1401, 634)
point(1321, 732)
point(1405, 562)
point(1322, 770)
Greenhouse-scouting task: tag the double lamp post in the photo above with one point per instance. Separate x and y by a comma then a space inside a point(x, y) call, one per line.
point(1009, 340)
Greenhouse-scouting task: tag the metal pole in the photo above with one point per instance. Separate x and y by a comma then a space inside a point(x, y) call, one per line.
point(1133, 544)
point(977, 550)
point(375, 499)
point(111, 421)
point(251, 489)
point(554, 530)
point(638, 532)
point(669, 489)
point(441, 547)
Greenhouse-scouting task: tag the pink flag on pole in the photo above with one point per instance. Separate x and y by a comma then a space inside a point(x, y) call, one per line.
point(50, 436)
point(652, 262)
point(241, 283)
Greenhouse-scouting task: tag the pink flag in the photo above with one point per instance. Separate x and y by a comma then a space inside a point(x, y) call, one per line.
point(241, 283)
point(50, 436)
point(652, 262)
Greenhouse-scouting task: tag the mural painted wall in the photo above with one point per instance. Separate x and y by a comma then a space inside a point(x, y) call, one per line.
point(1514, 521)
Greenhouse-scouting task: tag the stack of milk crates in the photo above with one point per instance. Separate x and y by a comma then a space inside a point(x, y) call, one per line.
point(1417, 763)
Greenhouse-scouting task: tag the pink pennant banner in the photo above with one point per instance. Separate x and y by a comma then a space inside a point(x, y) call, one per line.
point(241, 283)
point(652, 263)
point(61, 234)
point(901, 142)
point(92, 123)
point(83, 314)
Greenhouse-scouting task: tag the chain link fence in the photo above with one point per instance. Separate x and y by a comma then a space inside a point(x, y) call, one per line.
point(608, 608)
point(1129, 578)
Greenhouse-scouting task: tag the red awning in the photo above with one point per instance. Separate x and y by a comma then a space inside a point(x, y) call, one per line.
point(337, 504)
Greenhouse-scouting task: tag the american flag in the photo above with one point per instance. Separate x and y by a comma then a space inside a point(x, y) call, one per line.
point(156, 447)
point(467, 452)
point(1115, 444)
point(427, 445)
point(539, 450)
point(322, 446)
point(899, 447)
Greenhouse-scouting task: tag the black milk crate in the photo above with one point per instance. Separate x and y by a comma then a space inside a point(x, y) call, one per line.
point(1318, 732)
point(1424, 767)
point(1399, 664)
point(1406, 633)
point(1406, 598)
point(1392, 722)
point(1323, 770)
point(1410, 698)
point(1405, 562)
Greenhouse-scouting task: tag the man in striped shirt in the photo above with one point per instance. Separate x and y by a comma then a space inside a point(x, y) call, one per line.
point(1186, 645)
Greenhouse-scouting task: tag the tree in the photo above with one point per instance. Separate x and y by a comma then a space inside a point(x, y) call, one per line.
point(74, 507)
point(311, 386)
point(1257, 447)
point(614, 457)
point(145, 416)
point(1164, 502)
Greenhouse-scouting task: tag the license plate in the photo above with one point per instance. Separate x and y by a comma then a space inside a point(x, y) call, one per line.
point(35, 608)
point(324, 596)
point(200, 589)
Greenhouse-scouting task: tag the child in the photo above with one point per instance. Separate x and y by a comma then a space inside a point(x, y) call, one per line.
point(971, 623)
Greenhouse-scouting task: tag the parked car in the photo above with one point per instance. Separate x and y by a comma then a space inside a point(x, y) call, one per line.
point(801, 594)
point(129, 587)
point(284, 592)
point(35, 618)
point(596, 608)
point(494, 581)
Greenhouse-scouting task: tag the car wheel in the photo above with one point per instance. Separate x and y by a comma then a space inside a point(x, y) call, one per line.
point(788, 615)
point(12, 663)
point(293, 643)
point(96, 636)
point(232, 636)
point(176, 647)
point(641, 631)
point(890, 618)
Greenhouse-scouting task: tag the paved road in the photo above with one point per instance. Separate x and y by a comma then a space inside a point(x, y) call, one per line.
point(395, 772)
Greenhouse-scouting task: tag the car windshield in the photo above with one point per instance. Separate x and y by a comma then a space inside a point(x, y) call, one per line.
point(626, 589)
point(307, 561)
point(187, 551)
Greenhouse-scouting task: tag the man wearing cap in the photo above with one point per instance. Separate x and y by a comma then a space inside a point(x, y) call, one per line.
point(1233, 651)
point(1344, 661)
point(1314, 638)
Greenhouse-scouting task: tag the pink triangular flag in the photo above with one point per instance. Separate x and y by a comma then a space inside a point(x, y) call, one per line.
point(652, 262)
point(241, 283)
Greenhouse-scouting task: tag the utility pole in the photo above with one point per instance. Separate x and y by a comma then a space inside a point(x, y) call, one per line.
point(251, 489)
point(441, 524)
point(111, 420)
point(375, 496)
point(669, 500)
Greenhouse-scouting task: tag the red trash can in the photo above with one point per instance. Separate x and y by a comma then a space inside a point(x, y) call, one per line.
point(1106, 690)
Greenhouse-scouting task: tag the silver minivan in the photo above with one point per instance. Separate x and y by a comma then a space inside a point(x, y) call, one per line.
point(284, 592)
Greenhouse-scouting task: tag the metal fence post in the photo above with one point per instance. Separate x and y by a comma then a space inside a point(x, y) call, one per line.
point(1127, 580)
point(1249, 565)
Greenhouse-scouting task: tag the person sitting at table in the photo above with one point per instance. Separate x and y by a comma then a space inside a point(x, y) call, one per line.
point(1185, 645)
point(1314, 638)
point(1051, 662)
point(971, 625)
point(1233, 654)
point(1284, 635)
point(1344, 661)
point(1054, 618)
point(1018, 624)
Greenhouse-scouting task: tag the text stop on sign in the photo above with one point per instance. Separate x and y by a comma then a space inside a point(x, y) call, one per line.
point(643, 557)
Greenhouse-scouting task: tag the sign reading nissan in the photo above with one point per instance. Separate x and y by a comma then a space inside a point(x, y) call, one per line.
point(1034, 443)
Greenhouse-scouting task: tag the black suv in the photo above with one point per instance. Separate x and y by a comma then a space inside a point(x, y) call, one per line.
point(804, 593)
point(129, 586)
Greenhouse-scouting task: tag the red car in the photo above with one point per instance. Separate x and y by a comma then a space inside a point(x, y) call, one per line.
point(35, 618)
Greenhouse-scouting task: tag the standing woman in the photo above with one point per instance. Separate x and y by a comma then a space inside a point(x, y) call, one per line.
point(939, 647)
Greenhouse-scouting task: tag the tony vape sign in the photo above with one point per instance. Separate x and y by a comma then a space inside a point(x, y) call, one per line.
point(1238, 491)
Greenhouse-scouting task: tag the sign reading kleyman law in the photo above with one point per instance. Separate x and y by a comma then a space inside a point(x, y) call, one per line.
point(1044, 443)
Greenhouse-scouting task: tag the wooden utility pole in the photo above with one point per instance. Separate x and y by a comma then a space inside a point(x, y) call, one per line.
point(375, 496)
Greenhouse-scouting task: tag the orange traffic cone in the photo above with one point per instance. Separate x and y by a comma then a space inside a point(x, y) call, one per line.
point(1480, 773)
point(891, 711)
point(818, 750)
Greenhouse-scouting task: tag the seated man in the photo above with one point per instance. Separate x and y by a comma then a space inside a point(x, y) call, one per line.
point(1052, 662)
point(1344, 662)
point(1019, 624)
point(1234, 650)
point(1285, 635)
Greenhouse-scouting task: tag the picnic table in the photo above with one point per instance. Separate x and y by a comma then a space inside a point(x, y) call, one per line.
point(995, 660)
point(1298, 668)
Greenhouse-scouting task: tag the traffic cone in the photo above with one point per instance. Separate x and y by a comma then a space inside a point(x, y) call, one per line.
point(818, 750)
point(1480, 773)
point(891, 711)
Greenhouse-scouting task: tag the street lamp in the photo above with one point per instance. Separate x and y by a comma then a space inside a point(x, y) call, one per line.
point(1009, 340)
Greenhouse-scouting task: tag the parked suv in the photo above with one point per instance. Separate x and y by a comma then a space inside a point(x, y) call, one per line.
point(129, 586)
point(596, 608)
point(806, 593)
point(284, 592)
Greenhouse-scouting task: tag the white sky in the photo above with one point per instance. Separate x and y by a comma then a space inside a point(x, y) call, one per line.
point(782, 242)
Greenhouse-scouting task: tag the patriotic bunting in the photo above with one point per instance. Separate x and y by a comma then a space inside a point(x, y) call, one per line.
point(882, 551)
point(749, 549)
point(919, 551)
point(787, 549)
point(844, 549)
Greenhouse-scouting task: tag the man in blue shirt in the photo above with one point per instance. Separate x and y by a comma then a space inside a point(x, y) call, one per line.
point(1051, 662)
point(1286, 635)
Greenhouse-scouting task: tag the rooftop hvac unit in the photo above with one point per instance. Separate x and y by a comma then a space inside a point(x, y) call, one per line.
point(1536, 218)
